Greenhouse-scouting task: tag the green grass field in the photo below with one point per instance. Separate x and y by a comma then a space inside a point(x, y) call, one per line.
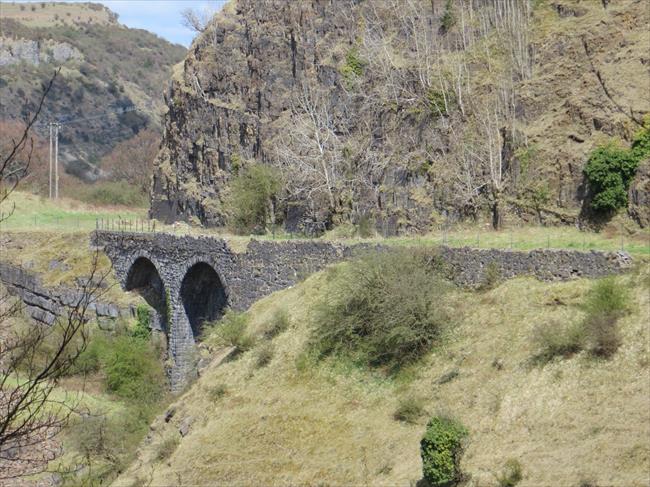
point(35, 213)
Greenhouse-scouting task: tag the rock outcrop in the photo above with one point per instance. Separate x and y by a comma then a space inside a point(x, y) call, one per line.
point(231, 101)
point(236, 82)
point(16, 51)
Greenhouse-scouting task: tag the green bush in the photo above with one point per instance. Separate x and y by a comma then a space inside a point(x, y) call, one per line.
point(90, 360)
point(106, 442)
point(142, 328)
point(382, 309)
point(264, 354)
point(441, 449)
point(133, 370)
point(607, 301)
point(251, 198)
point(491, 277)
point(609, 172)
point(607, 296)
point(448, 19)
point(511, 475)
point(611, 168)
point(353, 67)
point(641, 142)
point(231, 331)
point(409, 409)
point(365, 226)
point(439, 102)
point(217, 392)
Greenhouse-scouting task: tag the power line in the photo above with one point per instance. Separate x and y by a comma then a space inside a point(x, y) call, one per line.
point(119, 111)
point(61, 120)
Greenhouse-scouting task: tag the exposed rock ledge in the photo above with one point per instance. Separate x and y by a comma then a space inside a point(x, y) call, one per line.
point(15, 51)
point(45, 304)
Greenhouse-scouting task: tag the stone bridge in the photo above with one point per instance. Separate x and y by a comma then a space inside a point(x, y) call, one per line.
point(191, 280)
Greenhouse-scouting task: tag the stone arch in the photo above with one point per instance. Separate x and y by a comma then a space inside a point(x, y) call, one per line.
point(203, 295)
point(143, 277)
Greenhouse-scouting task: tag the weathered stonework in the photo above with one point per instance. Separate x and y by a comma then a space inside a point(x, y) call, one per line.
point(265, 267)
point(46, 304)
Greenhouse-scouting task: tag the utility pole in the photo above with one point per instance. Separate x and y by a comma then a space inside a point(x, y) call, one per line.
point(56, 161)
point(50, 160)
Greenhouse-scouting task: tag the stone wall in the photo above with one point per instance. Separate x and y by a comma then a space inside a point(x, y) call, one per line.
point(45, 304)
point(268, 266)
point(468, 266)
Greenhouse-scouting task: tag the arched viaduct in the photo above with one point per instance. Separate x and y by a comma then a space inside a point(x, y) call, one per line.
point(192, 280)
point(189, 281)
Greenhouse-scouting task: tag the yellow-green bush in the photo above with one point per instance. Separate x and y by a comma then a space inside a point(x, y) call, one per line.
point(383, 309)
point(250, 202)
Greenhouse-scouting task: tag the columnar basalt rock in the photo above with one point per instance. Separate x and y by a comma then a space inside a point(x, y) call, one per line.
point(236, 280)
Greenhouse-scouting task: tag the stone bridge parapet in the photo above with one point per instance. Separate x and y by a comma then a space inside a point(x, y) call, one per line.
point(190, 280)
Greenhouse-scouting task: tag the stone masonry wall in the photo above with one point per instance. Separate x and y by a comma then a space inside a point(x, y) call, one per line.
point(45, 304)
point(268, 266)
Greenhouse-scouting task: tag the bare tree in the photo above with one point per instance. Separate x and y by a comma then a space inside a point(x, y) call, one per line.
point(33, 361)
point(17, 154)
point(197, 20)
point(311, 151)
point(132, 160)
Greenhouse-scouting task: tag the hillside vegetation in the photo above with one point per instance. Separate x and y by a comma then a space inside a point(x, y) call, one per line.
point(105, 67)
point(280, 414)
point(406, 115)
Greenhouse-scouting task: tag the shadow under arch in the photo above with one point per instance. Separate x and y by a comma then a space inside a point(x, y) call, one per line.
point(143, 278)
point(203, 295)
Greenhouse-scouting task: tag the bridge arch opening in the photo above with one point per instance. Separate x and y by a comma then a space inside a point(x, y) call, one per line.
point(203, 296)
point(143, 278)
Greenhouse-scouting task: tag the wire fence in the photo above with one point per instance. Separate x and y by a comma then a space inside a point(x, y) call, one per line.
point(120, 225)
point(519, 238)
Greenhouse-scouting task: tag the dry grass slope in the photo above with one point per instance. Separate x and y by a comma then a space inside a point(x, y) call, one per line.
point(291, 423)
point(47, 14)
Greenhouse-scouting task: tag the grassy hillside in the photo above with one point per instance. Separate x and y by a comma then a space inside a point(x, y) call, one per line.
point(115, 388)
point(287, 420)
point(47, 14)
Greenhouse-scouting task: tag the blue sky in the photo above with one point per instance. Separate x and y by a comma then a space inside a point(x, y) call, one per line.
point(162, 17)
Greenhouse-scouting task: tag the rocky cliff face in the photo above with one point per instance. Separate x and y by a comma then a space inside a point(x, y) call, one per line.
point(238, 79)
point(235, 98)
